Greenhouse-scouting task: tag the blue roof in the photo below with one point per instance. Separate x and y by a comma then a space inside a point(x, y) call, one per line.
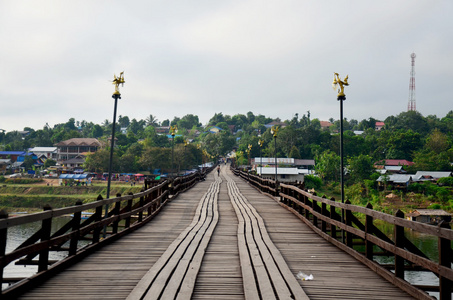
point(73, 176)
point(170, 136)
point(13, 152)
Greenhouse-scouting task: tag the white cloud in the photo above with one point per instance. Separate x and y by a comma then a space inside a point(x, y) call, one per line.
point(202, 57)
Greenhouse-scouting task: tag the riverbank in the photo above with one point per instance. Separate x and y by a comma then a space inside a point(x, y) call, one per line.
point(33, 197)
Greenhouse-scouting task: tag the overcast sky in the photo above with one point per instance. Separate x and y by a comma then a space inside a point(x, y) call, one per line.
point(201, 57)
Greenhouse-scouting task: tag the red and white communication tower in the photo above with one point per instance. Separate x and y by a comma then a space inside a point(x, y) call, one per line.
point(411, 104)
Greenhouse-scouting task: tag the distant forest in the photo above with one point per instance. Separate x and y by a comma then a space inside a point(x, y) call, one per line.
point(144, 145)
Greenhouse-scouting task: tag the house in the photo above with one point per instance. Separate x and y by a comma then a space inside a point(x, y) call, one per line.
point(4, 163)
point(215, 129)
point(325, 124)
point(433, 176)
point(275, 123)
point(73, 147)
point(162, 129)
point(398, 181)
point(283, 174)
point(288, 169)
point(392, 165)
point(17, 158)
point(432, 216)
point(46, 152)
point(74, 163)
point(379, 125)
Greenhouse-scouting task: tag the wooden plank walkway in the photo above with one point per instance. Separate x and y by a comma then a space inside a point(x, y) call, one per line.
point(211, 213)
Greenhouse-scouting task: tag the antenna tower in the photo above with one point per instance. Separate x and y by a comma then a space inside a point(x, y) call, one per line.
point(411, 104)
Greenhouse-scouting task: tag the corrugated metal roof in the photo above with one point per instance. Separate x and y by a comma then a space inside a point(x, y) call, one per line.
point(398, 178)
point(434, 175)
point(280, 171)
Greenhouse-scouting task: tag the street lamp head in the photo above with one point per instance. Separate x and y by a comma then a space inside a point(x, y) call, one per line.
point(274, 131)
point(173, 130)
point(260, 143)
point(342, 83)
point(117, 81)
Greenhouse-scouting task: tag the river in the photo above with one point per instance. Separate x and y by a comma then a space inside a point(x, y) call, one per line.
point(18, 234)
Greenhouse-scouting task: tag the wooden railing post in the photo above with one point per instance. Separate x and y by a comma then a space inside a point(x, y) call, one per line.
point(369, 231)
point(315, 207)
point(97, 218)
point(3, 237)
point(333, 228)
point(45, 236)
point(300, 209)
point(116, 211)
point(348, 222)
point(445, 255)
point(324, 213)
point(75, 227)
point(128, 209)
point(307, 213)
point(142, 202)
point(399, 242)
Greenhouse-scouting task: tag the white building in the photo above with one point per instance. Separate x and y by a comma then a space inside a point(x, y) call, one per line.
point(47, 152)
point(283, 174)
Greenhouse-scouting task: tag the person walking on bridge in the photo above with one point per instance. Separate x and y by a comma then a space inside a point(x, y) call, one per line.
point(218, 170)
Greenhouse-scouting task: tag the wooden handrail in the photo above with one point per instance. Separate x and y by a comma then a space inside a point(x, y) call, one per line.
point(321, 215)
point(135, 210)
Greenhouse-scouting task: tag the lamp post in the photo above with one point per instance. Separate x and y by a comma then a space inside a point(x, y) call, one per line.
point(116, 95)
point(274, 131)
point(172, 130)
point(249, 149)
point(260, 143)
point(186, 142)
point(198, 148)
point(341, 97)
point(239, 153)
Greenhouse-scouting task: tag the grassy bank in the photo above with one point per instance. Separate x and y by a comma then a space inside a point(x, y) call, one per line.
point(387, 201)
point(32, 197)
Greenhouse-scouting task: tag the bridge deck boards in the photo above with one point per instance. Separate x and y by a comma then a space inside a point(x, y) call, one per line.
point(114, 271)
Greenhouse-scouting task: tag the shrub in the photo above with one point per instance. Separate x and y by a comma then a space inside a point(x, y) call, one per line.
point(312, 182)
point(448, 181)
point(434, 206)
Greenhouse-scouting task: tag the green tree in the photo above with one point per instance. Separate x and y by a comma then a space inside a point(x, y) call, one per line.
point(49, 163)
point(97, 131)
point(99, 161)
point(28, 162)
point(437, 142)
point(328, 165)
point(360, 167)
point(156, 158)
point(294, 153)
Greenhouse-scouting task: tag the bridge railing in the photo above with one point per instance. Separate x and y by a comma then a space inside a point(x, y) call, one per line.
point(124, 214)
point(357, 234)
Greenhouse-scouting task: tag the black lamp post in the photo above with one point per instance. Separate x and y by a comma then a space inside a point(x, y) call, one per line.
point(274, 131)
point(186, 142)
point(116, 95)
point(341, 97)
point(173, 130)
point(260, 143)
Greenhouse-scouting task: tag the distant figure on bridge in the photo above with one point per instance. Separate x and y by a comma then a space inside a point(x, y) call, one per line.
point(218, 170)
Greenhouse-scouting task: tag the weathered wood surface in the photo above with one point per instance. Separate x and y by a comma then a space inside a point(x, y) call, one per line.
point(115, 270)
point(336, 274)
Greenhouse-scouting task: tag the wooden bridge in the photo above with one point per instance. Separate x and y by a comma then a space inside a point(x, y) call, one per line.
point(220, 239)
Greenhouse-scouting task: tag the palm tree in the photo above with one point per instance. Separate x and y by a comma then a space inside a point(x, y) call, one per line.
point(152, 121)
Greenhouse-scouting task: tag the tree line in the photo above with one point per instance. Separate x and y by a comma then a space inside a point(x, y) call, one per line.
point(427, 141)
